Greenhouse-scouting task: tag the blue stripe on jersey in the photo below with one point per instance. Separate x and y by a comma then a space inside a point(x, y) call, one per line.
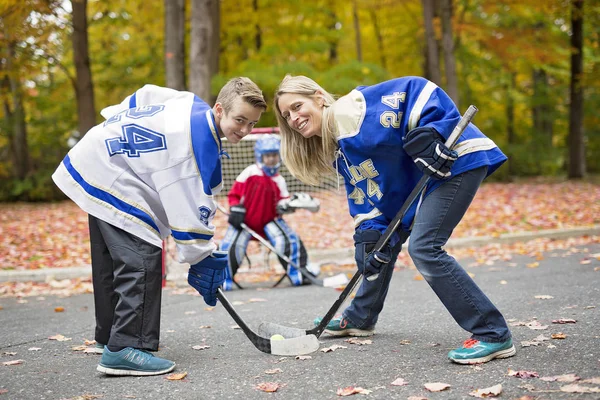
point(179, 235)
point(206, 145)
point(133, 101)
point(107, 197)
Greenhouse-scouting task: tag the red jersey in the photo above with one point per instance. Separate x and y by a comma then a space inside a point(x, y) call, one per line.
point(259, 194)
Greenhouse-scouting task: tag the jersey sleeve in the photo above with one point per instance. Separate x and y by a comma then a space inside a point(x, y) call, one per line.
point(149, 94)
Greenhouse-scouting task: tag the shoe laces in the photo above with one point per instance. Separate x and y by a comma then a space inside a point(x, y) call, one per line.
point(467, 344)
point(138, 357)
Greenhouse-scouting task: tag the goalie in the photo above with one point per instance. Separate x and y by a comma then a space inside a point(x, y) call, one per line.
point(258, 198)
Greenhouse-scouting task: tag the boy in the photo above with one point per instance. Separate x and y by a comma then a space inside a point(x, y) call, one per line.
point(258, 198)
point(150, 170)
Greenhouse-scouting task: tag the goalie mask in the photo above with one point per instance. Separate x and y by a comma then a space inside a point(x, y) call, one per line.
point(267, 144)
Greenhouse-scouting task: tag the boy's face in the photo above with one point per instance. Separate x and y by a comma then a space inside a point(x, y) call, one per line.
point(270, 159)
point(238, 122)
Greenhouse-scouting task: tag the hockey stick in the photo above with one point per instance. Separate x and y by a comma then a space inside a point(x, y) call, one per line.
point(268, 327)
point(291, 346)
point(303, 271)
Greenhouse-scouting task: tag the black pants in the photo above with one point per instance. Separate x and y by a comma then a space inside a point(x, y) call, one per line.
point(127, 278)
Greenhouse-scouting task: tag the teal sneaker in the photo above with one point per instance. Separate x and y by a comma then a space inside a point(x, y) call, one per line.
point(340, 326)
point(130, 361)
point(98, 348)
point(476, 352)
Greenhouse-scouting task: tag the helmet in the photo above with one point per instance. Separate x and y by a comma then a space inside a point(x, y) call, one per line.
point(264, 145)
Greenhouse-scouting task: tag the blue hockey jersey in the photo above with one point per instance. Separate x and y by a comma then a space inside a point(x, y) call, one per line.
point(378, 174)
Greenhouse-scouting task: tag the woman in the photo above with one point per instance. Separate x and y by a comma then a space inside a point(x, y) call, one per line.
point(382, 139)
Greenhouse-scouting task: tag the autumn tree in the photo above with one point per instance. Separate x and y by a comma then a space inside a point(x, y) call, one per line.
point(204, 46)
point(175, 44)
point(576, 138)
point(84, 85)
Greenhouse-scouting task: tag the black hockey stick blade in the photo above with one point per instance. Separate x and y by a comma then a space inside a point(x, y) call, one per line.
point(416, 192)
point(289, 346)
point(269, 328)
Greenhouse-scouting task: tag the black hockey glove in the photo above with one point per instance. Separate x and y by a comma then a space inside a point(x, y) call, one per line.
point(429, 152)
point(370, 262)
point(237, 214)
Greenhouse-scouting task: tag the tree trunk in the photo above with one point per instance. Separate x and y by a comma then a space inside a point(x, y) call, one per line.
point(541, 108)
point(174, 44)
point(577, 167)
point(257, 32)
point(84, 86)
point(359, 56)
point(448, 48)
point(378, 37)
point(432, 62)
point(16, 118)
point(510, 119)
point(204, 46)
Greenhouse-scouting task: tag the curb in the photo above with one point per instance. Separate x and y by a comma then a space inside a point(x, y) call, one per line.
point(178, 272)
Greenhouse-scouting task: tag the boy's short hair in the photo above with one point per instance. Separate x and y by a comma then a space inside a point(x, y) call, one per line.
point(241, 87)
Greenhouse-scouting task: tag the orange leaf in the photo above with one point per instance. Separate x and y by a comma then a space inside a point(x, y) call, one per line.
point(176, 377)
point(59, 309)
point(269, 387)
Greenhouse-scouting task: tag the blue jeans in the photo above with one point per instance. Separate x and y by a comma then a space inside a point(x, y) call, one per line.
point(437, 217)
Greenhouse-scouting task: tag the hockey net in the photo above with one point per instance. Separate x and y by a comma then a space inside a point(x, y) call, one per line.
point(328, 228)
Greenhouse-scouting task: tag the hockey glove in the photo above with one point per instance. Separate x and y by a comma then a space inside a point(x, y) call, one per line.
point(207, 275)
point(429, 152)
point(283, 207)
point(370, 262)
point(237, 214)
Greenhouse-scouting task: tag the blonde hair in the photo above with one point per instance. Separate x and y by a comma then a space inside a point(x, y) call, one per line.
point(310, 160)
point(241, 87)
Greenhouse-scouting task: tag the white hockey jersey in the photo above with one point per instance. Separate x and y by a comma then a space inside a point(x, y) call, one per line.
point(151, 169)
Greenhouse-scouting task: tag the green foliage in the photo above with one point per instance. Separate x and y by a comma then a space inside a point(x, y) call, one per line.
point(267, 39)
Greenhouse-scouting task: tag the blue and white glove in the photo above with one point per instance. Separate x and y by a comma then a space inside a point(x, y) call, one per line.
point(370, 262)
point(429, 152)
point(208, 275)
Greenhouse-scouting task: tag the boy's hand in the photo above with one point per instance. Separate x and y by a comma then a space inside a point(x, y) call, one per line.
point(208, 275)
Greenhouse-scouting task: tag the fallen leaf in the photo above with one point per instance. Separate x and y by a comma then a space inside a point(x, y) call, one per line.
point(13, 362)
point(358, 341)
point(176, 377)
point(205, 326)
point(273, 371)
point(575, 388)
point(399, 382)
point(404, 342)
point(436, 386)
point(350, 390)
point(10, 353)
point(561, 378)
point(533, 265)
point(79, 348)
point(235, 327)
point(89, 342)
point(492, 391)
point(333, 348)
point(269, 387)
point(416, 398)
point(190, 312)
point(238, 303)
point(34, 349)
point(59, 338)
point(523, 374)
point(558, 335)
point(535, 325)
point(256, 300)
point(303, 357)
point(200, 347)
point(59, 309)
point(564, 321)
point(3, 391)
point(544, 296)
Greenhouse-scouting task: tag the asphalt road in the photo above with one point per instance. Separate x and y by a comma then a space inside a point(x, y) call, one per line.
point(413, 337)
